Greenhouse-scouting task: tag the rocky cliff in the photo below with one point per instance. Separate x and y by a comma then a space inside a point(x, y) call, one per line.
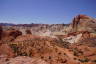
point(83, 23)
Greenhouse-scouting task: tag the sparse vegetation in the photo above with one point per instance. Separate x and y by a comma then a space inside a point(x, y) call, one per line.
point(94, 61)
point(14, 47)
point(55, 47)
point(84, 60)
point(77, 52)
point(28, 32)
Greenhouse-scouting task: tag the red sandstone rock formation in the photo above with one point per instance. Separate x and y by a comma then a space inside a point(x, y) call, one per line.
point(13, 33)
point(86, 34)
point(83, 22)
point(10, 35)
point(74, 37)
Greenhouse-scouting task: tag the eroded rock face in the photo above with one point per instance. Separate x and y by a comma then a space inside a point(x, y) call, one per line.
point(83, 23)
point(74, 37)
point(10, 35)
point(15, 33)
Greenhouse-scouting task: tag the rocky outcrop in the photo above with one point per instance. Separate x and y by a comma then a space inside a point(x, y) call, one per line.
point(83, 23)
point(74, 37)
point(10, 35)
point(13, 33)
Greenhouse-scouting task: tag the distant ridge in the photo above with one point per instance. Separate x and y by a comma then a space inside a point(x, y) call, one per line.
point(6, 24)
point(27, 25)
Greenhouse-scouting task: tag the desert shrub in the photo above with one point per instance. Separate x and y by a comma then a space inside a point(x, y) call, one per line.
point(63, 43)
point(42, 57)
point(49, 57)
point(64, 53)
point(59, 53)
point(18, 50)
point(28, 32)
point(94, 61)
point(84, 60)
point(75, 58)
point(23, 54)
point(14, 47)
point(77, 52)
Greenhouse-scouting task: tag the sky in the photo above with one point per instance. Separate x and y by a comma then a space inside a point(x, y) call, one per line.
point(44, 11)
